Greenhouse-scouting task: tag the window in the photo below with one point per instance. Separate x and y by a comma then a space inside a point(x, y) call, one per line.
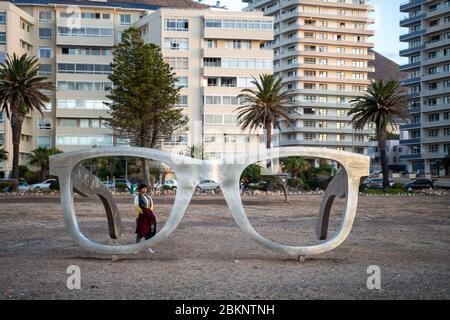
point(45, 33)
point(45, 70)
point(178, 63)
point(84, 86)
point(85, 32)
point(433, 148)
point(82, 104)
point(85, 140)
point(125, 19)
point(2, 17)
point(183, 102)
point(182, 82)
point(44, 141)
point(176, 24)
point(433, 117)
point(45, 16)
point(181, 44)
point(45, 52)
point(80, 68)
point(44, 124)
point(433, 132)
point(2, 37)
point(69, 123)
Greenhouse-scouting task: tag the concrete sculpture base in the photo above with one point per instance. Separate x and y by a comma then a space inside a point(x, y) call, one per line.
point(190, 172)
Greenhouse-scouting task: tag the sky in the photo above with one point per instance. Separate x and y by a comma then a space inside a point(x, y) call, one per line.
point(387, 30)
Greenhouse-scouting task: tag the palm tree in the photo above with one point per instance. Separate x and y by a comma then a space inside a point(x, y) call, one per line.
point(384, 104)
point(21, 92)
point(40, 158)
point(3, 155)
point(264, 106)
point(295, 165)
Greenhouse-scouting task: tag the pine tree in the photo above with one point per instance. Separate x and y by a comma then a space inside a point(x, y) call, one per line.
point(143, 95)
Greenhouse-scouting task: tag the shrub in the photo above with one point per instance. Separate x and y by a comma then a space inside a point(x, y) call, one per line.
point(121, 187)
point(4, 185)
point(32, 177)
point(395, 189)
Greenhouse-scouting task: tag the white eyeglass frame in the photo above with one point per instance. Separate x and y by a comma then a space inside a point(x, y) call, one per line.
point(190, 172)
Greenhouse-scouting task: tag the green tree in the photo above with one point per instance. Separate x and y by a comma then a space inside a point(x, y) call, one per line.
point(144, 94)
point(264, 106)
point(40, 158)
point(3, 154)
point(384, 104)
point(252, 173)
point(21, 92)
point(295, 166)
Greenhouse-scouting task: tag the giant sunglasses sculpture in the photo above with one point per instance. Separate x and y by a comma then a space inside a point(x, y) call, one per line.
point(73, 177)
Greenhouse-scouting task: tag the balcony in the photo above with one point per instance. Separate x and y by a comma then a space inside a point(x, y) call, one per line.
point(414, 109)
point(409, 36)
point(411, 20)
point(416, 125)
point(334, 143)
point(410, 141)
point(410, 66)
point(416, 156)
point(411, 4)
point(410, 81)
point(410, 51)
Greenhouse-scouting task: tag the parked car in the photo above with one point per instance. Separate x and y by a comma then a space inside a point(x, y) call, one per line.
point(420, 184)
point(45, 185)
point(168, 184)
point(23, 185)
point(376, 183)
point(262, 186)
point(208, 185)
point(111, 184)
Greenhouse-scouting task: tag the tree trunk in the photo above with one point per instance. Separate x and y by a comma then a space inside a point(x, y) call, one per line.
point(383, 157)
point(16, 128)
point(269, 135)
point(146, 171)
point(43, 172)
point(268, 128)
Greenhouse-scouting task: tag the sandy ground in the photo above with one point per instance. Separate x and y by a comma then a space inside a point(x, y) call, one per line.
point(208, 257)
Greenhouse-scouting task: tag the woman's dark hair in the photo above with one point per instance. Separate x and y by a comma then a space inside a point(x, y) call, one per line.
point(142, 186)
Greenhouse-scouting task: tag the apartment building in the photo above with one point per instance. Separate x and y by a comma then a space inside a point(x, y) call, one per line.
point(394, 153)
point(322, 53)
point(214, 54)
point(427, 137)
point(15, 37)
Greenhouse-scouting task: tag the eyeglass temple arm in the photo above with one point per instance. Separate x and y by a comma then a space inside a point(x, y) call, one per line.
point(88, 185)
point(337, 188)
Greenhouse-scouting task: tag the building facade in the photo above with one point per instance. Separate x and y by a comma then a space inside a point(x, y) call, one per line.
point(213, 52)
point(322, 53)
point(394, 153)
point(216, 53)
point(427, 137)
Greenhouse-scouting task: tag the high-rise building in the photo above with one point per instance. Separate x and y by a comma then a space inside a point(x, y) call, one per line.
point(427, 137)
point(215, 53)
point(322, 53)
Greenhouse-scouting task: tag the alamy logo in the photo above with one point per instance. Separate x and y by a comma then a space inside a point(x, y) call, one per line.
point(74, 279)
point(374, 280)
